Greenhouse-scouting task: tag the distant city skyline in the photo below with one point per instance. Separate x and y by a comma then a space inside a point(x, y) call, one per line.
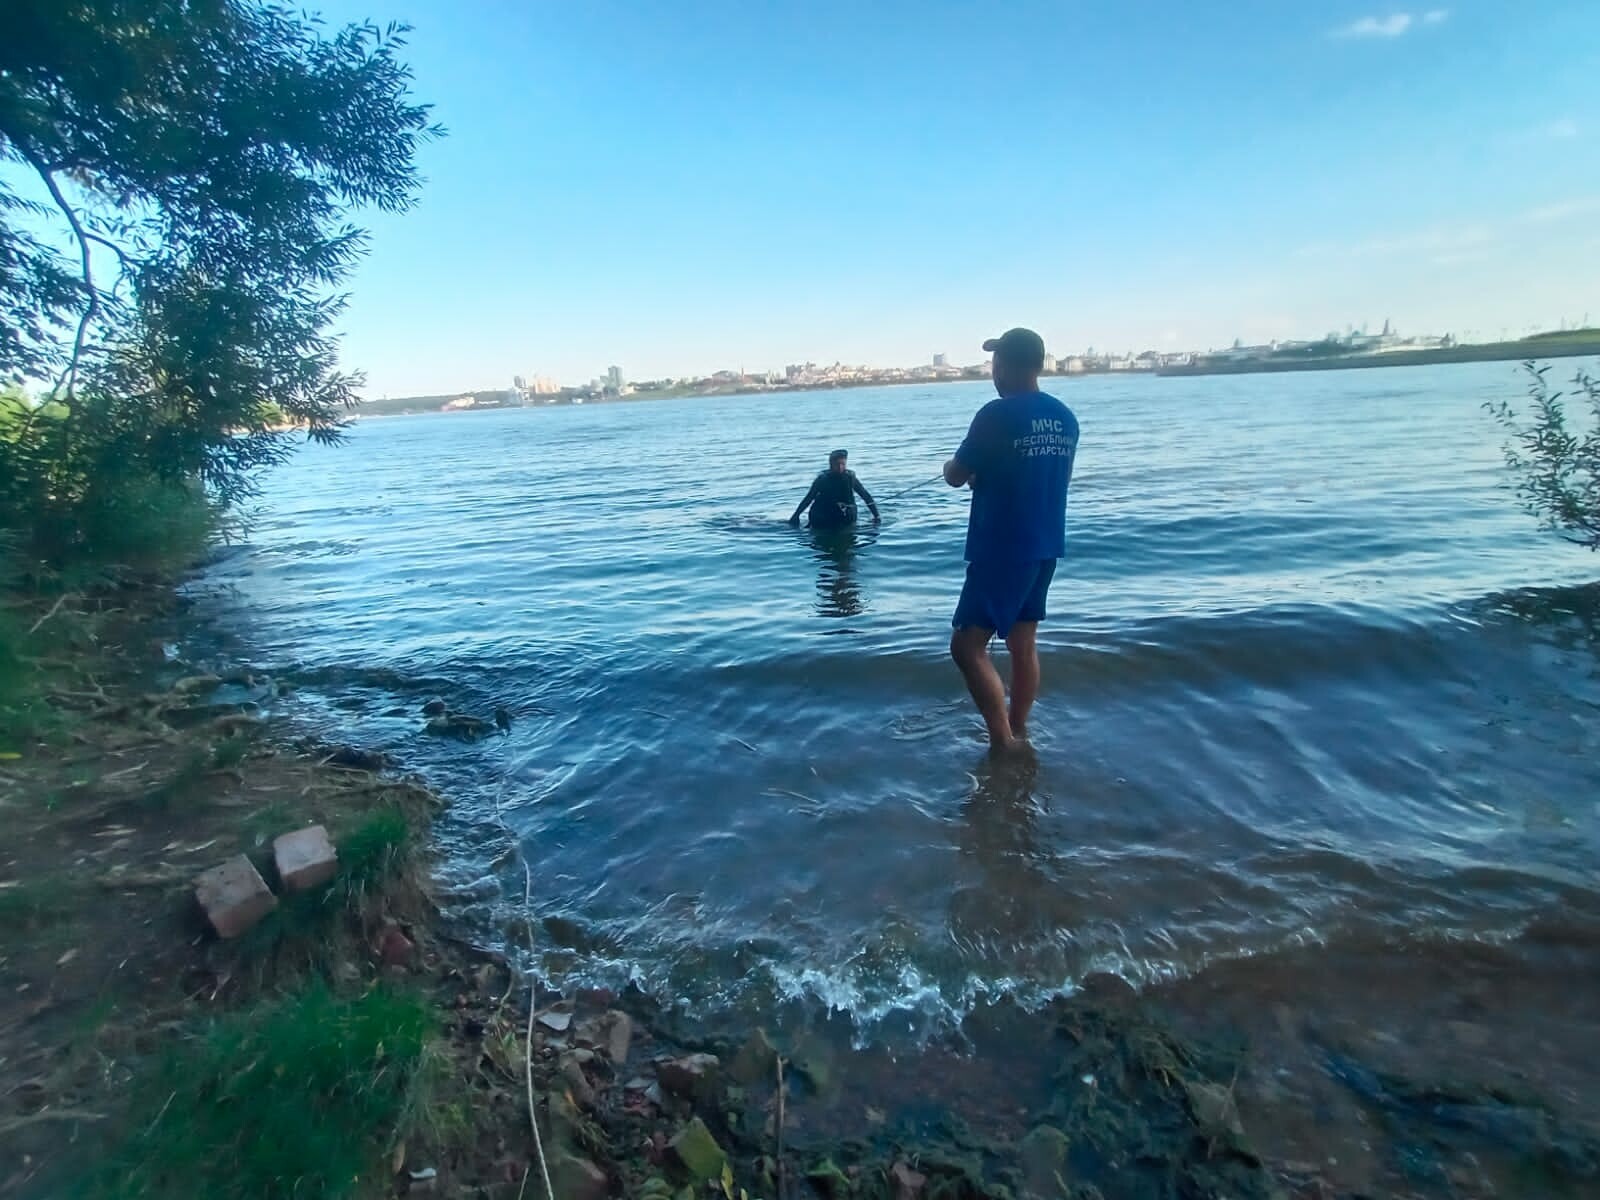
point(759, 185)
point(1390, 336)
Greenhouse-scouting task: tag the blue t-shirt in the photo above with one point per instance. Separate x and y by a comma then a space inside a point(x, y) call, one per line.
point(1020, 451)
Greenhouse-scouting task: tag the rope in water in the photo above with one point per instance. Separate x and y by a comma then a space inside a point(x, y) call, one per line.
point(527, 917)
point(914, 487)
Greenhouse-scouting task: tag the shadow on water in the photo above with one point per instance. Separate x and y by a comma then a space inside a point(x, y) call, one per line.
point(1570, 616)
point(839, 592)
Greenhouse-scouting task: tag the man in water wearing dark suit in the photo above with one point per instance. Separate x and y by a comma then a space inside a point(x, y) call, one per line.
point(1018, 458)
point(832, 497)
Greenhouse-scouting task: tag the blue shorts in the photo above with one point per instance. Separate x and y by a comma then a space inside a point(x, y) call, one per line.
point(998, 595)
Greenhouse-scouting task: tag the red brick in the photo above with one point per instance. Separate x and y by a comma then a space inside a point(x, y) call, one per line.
point(305, 858)
point(234, 896)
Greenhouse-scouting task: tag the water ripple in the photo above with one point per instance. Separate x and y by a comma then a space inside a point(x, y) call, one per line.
point(1310, 672)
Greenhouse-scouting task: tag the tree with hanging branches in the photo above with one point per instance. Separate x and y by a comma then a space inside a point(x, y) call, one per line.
point(178, 183)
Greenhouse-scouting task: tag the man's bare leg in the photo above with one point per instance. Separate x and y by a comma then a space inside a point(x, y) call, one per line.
point(1023, 645)
point(970, 648)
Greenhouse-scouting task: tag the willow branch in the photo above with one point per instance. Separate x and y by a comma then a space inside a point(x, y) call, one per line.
point(69, 377)
point(122, 255)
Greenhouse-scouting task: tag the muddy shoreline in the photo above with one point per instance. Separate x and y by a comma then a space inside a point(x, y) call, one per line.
point(1419, 1067)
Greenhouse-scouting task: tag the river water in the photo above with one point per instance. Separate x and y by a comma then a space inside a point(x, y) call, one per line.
point(1310, 673)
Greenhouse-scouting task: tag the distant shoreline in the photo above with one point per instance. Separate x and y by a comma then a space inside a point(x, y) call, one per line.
point(1535, 348)
point(1539, 347)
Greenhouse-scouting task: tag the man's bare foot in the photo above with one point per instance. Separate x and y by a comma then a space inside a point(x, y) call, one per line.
point(1007, 747)
point(1019, 732)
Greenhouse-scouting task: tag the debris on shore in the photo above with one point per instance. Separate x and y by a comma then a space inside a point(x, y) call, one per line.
point(200, 902)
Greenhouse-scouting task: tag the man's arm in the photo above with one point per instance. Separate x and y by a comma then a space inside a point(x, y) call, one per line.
point(865, 495)
point(969, 457)
point(810, 496)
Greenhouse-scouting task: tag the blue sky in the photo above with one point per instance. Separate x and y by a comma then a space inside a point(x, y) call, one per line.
point(686, 187)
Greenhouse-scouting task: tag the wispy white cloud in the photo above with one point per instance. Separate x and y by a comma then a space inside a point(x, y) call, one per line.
point(1392, 26)
point(1562, 129)
point(1449, 243)
point(1458, 257)
point(1435, 240)
point(1561, 210)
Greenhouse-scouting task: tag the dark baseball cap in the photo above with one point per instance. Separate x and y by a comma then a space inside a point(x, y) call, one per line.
point(1019, 347)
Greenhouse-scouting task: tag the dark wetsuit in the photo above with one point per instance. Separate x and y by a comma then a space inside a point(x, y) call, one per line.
point(833, 500)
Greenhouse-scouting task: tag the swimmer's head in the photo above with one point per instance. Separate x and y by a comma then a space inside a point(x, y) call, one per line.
point(838, 460)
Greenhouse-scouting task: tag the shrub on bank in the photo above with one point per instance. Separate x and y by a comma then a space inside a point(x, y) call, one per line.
point(1555, 453)
point(81, 502)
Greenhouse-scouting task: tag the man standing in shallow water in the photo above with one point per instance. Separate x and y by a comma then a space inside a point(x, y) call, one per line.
point(1018, 457)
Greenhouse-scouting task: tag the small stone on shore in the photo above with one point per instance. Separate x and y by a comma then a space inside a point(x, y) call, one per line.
point(577, 1081)
point(828, 1179)
point(907, 1183)
point(395, 948)
point(691, 1077)
point(1043, 1154)
point(1213, 1108)
point(698, 1151)
point(757, 1060)
point(815, 1069)
point(193, 685)
point(574, 1178)
point(611, 1033)
point(460, 725)
point(555, 1022)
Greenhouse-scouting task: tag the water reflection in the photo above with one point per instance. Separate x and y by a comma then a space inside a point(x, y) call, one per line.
point(1018, 897)
point(839, 592)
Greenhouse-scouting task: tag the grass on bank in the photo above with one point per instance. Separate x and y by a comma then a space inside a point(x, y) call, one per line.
point(317, 931)
point(24, 712)
point(53, 611)
point(306, 1095)
point(316, 1074)
point(26, 906)
point(302, 1092)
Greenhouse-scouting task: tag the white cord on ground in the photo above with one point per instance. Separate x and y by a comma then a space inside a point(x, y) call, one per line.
point(527, 916)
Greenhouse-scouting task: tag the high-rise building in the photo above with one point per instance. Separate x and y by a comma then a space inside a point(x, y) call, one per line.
point(941, 360)
point(614, 380)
